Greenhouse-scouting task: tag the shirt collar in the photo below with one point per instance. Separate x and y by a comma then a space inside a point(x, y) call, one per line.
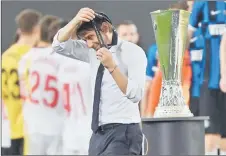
point(116, 42)
point(114, 39)
point(114, 48)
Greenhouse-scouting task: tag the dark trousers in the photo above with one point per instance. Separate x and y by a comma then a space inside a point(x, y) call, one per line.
point(194, 106)
point(15, 149)
point(116, 139)
point(5, 151)
point(213, 104)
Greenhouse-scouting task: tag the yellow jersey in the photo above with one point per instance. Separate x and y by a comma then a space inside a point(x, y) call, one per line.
point(11, 88)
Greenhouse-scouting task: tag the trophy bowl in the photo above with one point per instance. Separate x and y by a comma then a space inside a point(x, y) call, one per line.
point(170, 28)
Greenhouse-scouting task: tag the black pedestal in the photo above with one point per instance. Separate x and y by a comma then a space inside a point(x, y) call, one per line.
point(174, 136)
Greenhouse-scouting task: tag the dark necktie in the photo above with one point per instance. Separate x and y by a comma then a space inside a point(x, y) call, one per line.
point(96, 102)
point(97, 89)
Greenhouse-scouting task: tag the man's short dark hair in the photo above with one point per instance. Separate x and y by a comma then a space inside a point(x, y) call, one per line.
point(55, 27)
point(27, 19)
point(125, 22)
point(86, 26)
point(45, 23)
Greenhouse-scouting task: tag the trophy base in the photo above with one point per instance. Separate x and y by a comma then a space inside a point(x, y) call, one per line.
point(172, 102)
point(174, 136)
point(172, 111)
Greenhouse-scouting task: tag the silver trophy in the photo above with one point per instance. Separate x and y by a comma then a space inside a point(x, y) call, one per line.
point(170, 28)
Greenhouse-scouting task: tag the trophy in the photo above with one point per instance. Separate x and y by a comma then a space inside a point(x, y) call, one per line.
point(170, 28)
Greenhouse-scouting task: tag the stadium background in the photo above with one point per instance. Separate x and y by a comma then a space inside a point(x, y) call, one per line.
point(137, 11)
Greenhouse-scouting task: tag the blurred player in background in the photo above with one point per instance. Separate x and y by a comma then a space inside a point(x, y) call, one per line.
point(27, 28)
point(127, 31)
point(212, 15)
point(39, 50)
point(196, 53)
point(154, 74)
point(74, 84)
point(74, 81)
point(43, 110)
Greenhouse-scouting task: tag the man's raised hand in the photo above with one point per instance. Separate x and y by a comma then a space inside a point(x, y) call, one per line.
point(84, 15)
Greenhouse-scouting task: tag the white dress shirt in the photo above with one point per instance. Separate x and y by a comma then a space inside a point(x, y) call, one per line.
point(115, 106)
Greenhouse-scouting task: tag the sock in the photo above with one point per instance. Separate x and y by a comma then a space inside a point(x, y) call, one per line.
point(222, 152)
point(213, 152)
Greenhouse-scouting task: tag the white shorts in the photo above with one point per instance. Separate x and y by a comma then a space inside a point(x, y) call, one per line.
point(41, 144)
point(5, 137)
point(67, 151)
point(76, 136)
point(76, 145)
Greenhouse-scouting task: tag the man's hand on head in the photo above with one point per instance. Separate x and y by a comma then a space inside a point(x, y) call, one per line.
point(105, 57)
point(84, 15)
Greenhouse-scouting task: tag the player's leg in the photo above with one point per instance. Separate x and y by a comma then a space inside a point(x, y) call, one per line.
point(25, 151)
point(194, 105)
point(195, 89)
point(17, 146)
point(68, 151)
point(223, 124)
point(69, 145)
point(36, 145)
point(76, 137)
point(21, 146)
point(194, 98)
point(54, 145)
point(208, 107)
point(81, 149)
point(5, 151)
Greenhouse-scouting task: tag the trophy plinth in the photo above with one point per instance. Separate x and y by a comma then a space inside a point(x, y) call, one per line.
point(170, 28)
point(174, 136)
point(173, 130)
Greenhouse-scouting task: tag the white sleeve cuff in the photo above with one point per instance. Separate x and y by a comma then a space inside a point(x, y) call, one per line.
point(56, 42)
point(133, 92)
